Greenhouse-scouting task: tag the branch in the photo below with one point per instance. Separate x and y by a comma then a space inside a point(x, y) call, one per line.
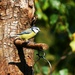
point(32, 45)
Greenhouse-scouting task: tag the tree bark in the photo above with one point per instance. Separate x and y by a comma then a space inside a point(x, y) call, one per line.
point(15, 16)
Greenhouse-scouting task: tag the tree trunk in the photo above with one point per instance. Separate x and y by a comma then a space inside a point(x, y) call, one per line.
point(15, 16)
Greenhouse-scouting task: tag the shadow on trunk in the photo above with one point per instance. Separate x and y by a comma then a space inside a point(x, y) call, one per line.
point(23, 67)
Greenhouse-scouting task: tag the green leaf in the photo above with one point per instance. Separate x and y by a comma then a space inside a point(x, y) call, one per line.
point(39, 14)
point(45, 5)
point(63, 72)
point(44, 17)
point(55, 73)
point(62, 8)
point(62, 27)
point(55, 4)
point(37, 70)
point(53, 19)
point(72, 45)
point(45, 70)
point(37, 4)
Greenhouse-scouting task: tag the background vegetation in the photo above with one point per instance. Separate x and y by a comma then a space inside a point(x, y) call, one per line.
point(56, 19)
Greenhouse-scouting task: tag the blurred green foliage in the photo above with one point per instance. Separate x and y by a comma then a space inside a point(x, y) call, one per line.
point(56, 19)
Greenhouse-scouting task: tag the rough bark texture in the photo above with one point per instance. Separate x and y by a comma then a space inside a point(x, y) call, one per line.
point(15, 16)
